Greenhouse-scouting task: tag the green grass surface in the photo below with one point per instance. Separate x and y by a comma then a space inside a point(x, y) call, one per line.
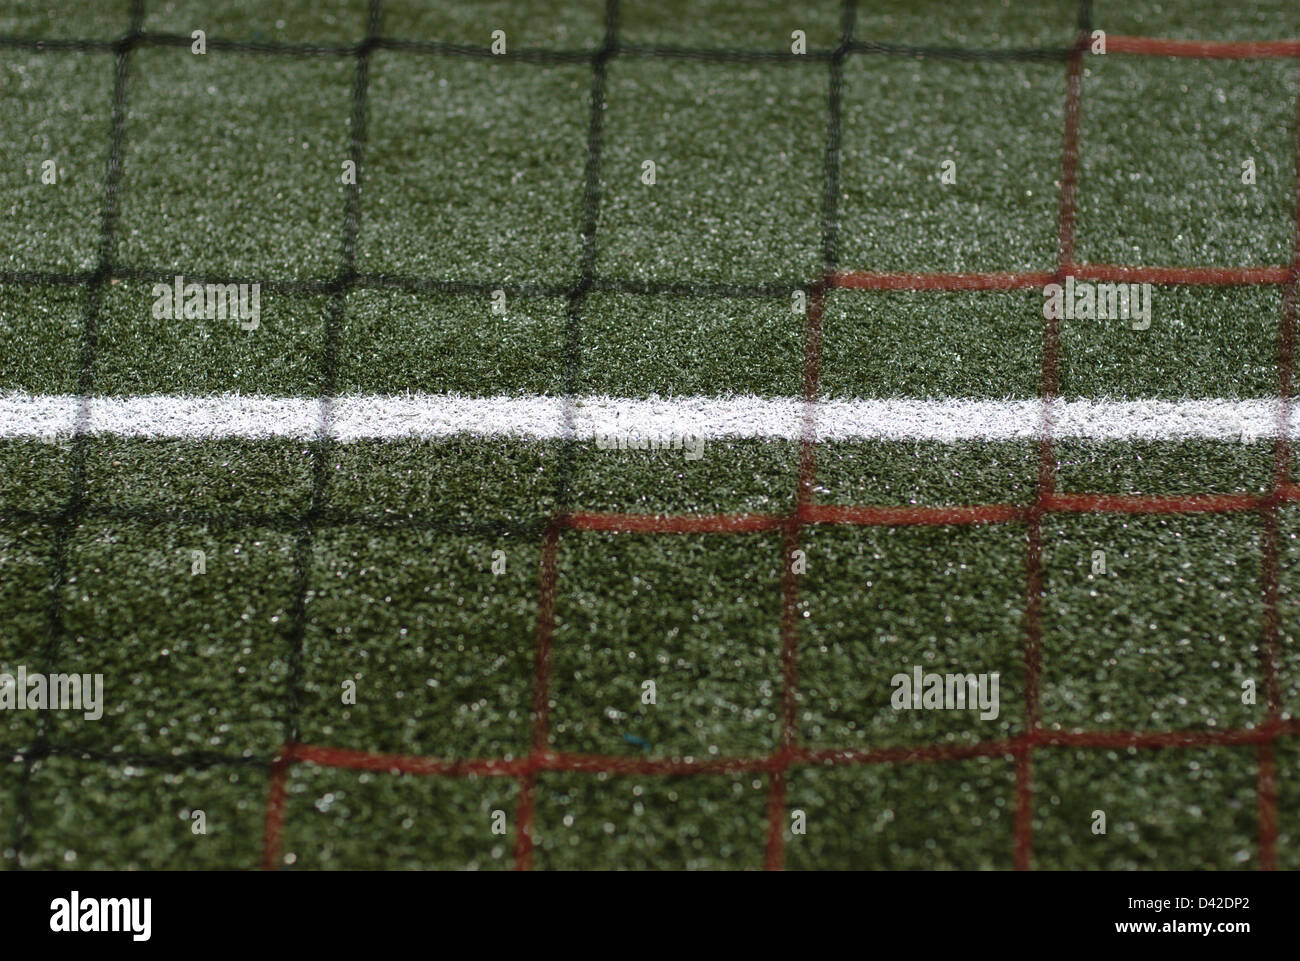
point(1164, 187)
point(203, 127)
point(1150, 644)
point(151, 813)
point(755, 220)
point(293, 21)
point(55, 110)
point(933, 344)
point(656, 824)
point(336, 817)
point(1212, 788)
point(472, 161)
point(44, 322)
point(138, 354)
point(905, 118)
point(372, 563)
point(955, 815)
point(430, 635)
point(697, 615)
point(1229, 335)
point(882, 601)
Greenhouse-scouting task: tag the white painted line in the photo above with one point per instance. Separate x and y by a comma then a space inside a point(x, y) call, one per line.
point(352, 418)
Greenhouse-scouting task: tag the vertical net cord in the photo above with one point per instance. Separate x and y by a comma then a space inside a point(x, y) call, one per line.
point(74, 510)
point(1023, 853)
point(774, 854)
point(323, 445)
point(527, 807)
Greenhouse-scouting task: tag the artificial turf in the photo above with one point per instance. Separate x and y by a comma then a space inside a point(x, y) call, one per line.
point(379, 564)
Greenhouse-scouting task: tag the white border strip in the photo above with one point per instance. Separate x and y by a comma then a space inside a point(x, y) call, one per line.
point(713, 418)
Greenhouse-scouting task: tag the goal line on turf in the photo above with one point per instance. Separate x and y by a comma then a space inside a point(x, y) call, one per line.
point(622, 419)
